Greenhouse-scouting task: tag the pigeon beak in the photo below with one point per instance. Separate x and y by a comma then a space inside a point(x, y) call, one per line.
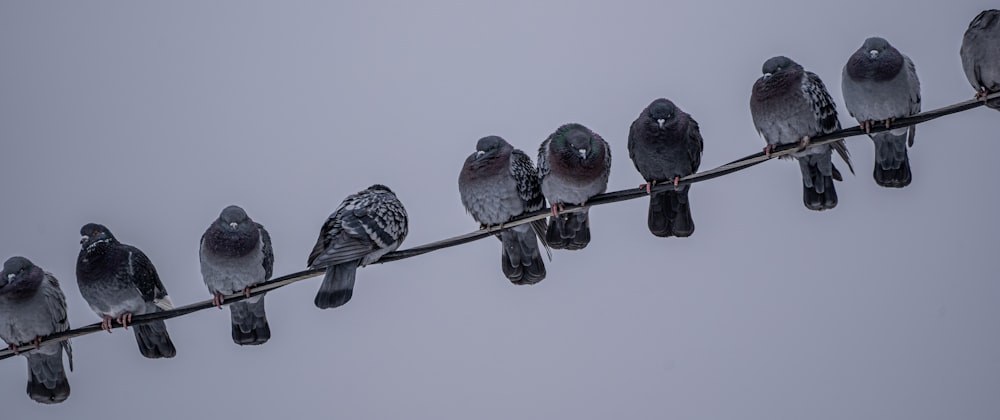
point(84, 239)
point(233, 225)
point(479, 154)
point(873, 53)
point(10, 277)
point(583, 153)
point(660, 121)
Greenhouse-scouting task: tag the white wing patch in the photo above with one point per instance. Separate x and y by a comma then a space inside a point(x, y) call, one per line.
point(164, 303)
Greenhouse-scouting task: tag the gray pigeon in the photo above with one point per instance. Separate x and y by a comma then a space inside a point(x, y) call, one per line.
point(119, 281)
point(791, 105)
point(236, 254)
point(32, 306)
point(880, 84)
point(366, 226)
point(499, 183)
point(981, 55)
point(665, 144)
point(573, 166)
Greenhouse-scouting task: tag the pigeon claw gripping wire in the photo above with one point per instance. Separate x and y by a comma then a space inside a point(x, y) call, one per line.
point(218, 299)
point(556, 208)
point(803, 144)
point(648, 186)
point(106, 323)
point(125, 319)
point(767, 150)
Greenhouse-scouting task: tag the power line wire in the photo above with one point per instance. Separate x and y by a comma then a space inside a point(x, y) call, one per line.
point(601, 199)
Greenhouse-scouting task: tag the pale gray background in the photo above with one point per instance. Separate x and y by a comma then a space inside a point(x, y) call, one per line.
point(151, 118)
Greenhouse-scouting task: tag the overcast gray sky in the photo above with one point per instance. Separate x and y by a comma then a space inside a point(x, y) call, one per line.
point(150, 118)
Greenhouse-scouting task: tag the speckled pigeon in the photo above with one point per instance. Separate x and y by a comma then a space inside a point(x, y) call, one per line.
point(880, 84)
point(119, 281)
point(981, 55)
point(366, 226)
point(497, 184)
point(665, 144)
point(236, 254)
point(791, 105)
point(32, 306)
point(573, 166)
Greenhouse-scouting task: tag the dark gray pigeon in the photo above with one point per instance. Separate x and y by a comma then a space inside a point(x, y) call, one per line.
point(366, 226)
point(497, 184)
point(665, 144)
point(236, 254)
point(880, 84)
point(791, 105)
point(981, 55)
point(32, 306)
point(119, 281)
point(573, 166)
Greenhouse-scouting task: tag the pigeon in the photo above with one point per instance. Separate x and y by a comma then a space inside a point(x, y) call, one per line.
point(31, 306)
point(665, 145)
point(236, 254)
point(791, 105)
point(573, 166)
point(119, 281)
point(880, 84)
point(981, 55)
point(366, 226)
point(497, 184)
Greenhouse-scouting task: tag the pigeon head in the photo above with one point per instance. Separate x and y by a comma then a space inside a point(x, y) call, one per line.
point(875, 60)
point(575, 140)
point(985, 19)
point(662, 113)
point(777, 65)
point(94, 234)
point(380, 187)
point(233, 217)
point(874, 47)
point(489, 146)
point(19, 276)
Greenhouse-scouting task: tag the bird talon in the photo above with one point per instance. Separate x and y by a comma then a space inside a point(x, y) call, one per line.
point(37, 342)
point(246, 291)
point(106, 324)
point(218, 299)
point(12, 348)
point(767, 150)
point(888, 123)
point(804, 143)
point(677, 181)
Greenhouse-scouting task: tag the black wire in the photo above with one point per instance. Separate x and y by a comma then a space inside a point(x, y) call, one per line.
point(601, 199)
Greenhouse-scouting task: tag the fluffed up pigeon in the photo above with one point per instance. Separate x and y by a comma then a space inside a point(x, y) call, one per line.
point(573, 166)
point(236, 254)
point(119, 281)
point(665, 144)
point(32, 306)
point(366, 226)
point(791, 105)
point(499, 183)
point(981, 55)
point(880, 84)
